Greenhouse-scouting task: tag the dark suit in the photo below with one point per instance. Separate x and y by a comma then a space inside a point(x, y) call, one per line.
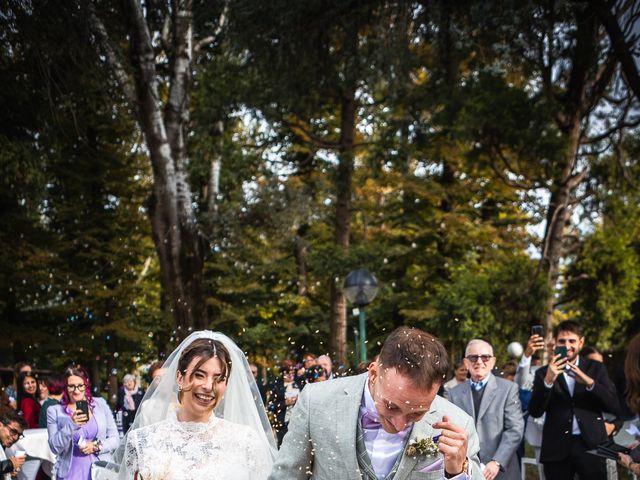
point(563, 453)
point(277, 406)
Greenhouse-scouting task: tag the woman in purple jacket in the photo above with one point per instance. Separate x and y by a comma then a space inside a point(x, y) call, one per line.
point(77, 439)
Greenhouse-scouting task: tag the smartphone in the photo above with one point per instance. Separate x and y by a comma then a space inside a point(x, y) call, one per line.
point(83, 406)
point(562, 351)
point(537, 330)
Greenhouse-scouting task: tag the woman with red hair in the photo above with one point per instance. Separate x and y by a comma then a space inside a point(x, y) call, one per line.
point(76, 438)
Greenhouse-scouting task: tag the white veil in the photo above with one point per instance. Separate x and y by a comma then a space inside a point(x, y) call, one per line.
point(241, 402)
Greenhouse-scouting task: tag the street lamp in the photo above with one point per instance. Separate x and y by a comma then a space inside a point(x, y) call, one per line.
point(361, 287)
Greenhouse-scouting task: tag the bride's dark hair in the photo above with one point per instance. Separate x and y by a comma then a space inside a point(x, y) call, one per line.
point(204, 349)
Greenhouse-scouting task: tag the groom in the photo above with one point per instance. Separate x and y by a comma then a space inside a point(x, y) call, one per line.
point(375, 426)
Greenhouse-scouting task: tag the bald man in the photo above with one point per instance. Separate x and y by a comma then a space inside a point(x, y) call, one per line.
point(325, 362)
point(495, 407)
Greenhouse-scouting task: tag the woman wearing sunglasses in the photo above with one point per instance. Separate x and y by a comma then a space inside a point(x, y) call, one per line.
point(76, 438)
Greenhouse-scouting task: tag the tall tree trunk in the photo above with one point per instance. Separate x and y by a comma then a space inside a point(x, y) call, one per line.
point(214, 177)
point(584, 90)
point(176, 234)
point(344, 180)
point(301, 250)
point(558, 218)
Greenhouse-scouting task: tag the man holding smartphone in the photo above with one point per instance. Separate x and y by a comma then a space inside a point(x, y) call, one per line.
point(573, 392)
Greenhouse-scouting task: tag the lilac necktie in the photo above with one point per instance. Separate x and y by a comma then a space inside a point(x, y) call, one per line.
point(371, 421)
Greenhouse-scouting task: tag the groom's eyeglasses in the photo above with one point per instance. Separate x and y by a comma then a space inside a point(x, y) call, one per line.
point(475, 358)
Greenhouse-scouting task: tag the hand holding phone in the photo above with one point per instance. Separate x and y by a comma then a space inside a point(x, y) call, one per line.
point(562, 351)
point(557, 364)
point(83, 406)
point(81, 414)
point(536, 340)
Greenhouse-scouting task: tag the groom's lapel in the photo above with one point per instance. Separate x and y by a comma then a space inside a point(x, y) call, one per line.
point(348, 408)
point(422, 429)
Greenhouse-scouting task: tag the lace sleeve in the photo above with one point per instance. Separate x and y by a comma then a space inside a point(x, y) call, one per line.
point(129, 465)
point(260, 462)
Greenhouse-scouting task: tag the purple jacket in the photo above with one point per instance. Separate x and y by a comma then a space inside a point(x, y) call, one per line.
point(61, 430)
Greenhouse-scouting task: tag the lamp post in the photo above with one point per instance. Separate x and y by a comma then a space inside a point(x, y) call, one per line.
point(361, 287)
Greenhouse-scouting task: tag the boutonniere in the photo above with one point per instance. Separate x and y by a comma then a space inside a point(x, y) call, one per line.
point(423, 446)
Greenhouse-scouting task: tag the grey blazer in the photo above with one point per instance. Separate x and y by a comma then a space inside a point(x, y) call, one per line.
point(499, 424)
point(61, 430)
point(321, 441)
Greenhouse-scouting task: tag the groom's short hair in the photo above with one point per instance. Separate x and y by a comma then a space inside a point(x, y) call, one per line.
point(415, 354)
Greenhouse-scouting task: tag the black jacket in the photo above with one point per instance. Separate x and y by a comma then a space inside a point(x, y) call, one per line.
point(560, 407)
point(128, 415)
point(6, 466)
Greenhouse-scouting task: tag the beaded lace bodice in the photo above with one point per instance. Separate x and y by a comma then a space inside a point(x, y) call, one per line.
point(174, 450)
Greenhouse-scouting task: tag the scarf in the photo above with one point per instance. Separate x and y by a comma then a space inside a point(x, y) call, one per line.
point(129, 404)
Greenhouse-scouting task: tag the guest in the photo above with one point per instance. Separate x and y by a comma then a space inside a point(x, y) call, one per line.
point(261, 386)
point(612, 415)
point(308, 360)
point(77, 439)
point(632, 374)
point(5, 404)
point(11, 427)
point(129, 398)
point(493, 403)
point(55, 387)
point(156, 370)
point(282, 396)
point(460, 373)
point(12, 390)
point(509, 370)
point(28, 398)
point(530, 362)
point(571, 390)
point(325, 362)
point(315, 374)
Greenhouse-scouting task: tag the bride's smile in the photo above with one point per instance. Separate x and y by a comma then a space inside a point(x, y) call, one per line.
point(201, 387)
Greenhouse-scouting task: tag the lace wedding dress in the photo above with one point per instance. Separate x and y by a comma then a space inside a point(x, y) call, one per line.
point(174, 450)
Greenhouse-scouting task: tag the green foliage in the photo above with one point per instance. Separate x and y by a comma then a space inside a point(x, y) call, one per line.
point(79, 279)
point(604, 280)
point(449, 100)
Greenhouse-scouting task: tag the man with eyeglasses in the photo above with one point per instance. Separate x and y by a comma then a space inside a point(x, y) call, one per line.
point(573, 391)
point(11, 427)
point(494, 405)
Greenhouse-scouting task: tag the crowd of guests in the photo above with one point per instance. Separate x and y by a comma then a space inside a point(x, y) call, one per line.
point(565, 409)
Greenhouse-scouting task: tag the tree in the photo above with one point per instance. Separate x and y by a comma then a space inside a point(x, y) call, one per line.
point(561, 65)
point(156, 81)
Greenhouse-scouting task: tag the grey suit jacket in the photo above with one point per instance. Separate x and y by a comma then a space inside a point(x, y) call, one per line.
point(499, 423)
point(321, 441)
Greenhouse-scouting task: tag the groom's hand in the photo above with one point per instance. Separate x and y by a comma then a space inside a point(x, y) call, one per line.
point(453, 445)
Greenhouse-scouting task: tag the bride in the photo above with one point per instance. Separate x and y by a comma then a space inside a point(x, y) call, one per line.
point(177, 436)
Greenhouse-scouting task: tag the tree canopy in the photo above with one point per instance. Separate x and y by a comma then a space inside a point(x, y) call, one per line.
point(178, 165)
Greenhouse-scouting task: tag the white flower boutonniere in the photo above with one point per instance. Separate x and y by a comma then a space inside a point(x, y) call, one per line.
point(423, 446)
